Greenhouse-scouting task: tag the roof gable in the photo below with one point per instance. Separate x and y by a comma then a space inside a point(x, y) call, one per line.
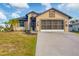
point(55, 10)
point(32, 12)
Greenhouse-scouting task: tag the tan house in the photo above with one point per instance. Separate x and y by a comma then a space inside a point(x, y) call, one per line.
point(50, 20)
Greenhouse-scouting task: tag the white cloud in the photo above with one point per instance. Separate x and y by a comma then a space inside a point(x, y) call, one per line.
point(2, 15)
point(61, 5)
point(15, 15)
point(47, 5)
point(73, 5)
point(18, 11)
point(69, 6)
point(19, 5)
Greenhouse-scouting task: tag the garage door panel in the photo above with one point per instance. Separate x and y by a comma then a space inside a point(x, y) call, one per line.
point(45, 25)
point(52, 24)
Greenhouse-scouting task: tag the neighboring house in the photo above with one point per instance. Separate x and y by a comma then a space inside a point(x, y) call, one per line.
point(74, 25)
point(50, 20)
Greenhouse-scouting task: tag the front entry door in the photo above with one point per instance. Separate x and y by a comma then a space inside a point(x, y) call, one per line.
point(33, 23)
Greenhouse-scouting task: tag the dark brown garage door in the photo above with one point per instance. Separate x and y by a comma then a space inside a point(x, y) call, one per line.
point(52, 24)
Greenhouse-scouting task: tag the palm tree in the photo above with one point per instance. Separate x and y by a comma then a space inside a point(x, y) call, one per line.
point(14, 23)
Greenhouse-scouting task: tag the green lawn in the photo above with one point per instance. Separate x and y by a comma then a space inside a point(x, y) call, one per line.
point(77, 32)
point(17, 44)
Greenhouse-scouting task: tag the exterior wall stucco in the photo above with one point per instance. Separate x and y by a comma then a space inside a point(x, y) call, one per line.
point(58, 16)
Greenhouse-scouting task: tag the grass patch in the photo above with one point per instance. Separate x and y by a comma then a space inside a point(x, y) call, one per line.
point(17, 44)
point(76, 32)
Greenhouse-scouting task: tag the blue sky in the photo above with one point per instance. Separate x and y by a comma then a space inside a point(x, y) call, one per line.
point(14, 10)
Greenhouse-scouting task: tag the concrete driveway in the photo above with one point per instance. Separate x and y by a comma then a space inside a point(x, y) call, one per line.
point(57, 44)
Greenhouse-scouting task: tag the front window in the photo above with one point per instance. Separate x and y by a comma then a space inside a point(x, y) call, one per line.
point(33, 21)
point(70, 25)
point(21, 23)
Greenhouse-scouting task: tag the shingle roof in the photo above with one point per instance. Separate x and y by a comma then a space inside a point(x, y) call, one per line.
point(25, 18)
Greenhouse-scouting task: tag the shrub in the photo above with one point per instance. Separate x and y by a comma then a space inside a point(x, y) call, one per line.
point(8, 29)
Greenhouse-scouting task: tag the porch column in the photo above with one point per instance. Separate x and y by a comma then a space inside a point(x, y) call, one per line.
point(28, 23)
